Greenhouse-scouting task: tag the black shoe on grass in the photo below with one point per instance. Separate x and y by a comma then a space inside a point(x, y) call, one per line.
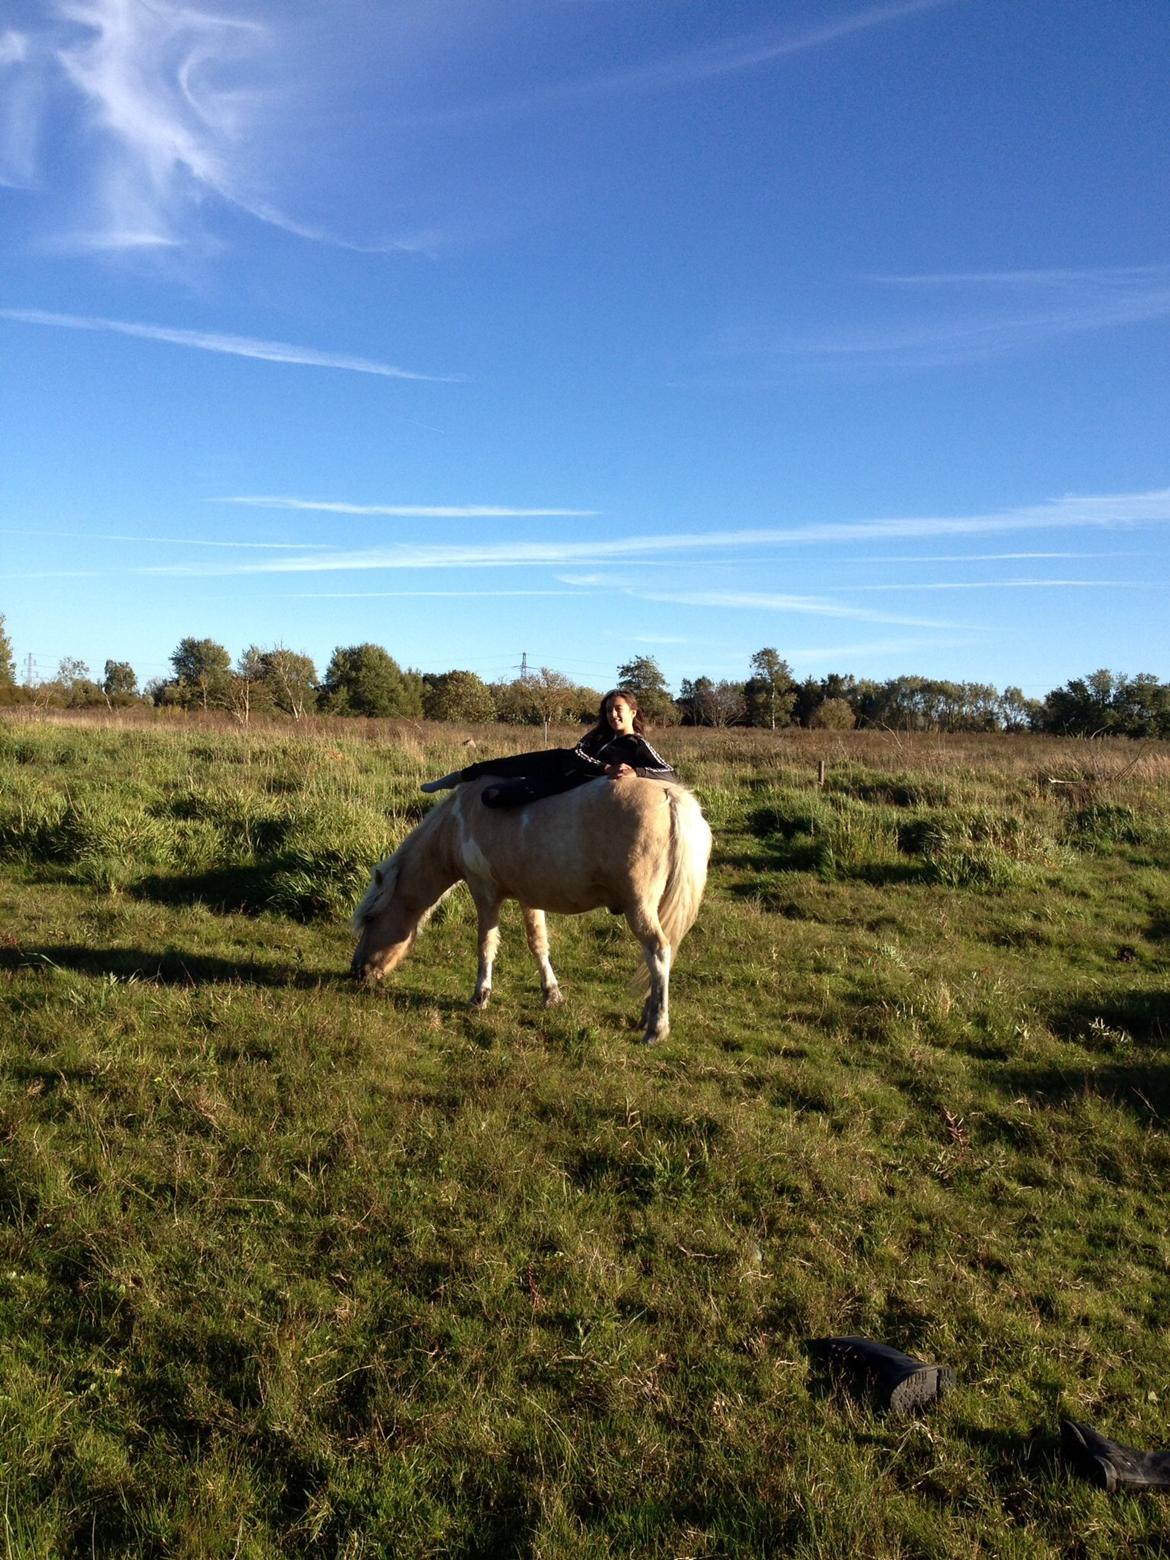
point(1110, 1466)
point(897, 1382)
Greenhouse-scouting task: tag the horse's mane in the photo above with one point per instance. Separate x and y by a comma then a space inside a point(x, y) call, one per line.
point(385, 879)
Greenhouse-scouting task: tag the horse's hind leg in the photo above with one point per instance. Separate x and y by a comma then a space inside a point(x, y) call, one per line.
point(656, 1012)
point(536, 930)
point(487, 909)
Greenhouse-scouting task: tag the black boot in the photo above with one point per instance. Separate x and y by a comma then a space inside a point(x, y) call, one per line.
point(1110, 1466)
point(897, 1382)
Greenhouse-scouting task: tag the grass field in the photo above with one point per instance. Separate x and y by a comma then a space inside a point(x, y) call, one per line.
point(290, 1268)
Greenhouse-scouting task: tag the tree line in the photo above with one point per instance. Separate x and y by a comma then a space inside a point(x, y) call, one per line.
point(365, 680)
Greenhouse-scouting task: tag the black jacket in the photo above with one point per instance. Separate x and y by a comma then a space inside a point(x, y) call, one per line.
point(598, 750)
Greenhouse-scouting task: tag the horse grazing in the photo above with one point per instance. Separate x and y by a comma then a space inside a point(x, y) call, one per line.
point(637, 847)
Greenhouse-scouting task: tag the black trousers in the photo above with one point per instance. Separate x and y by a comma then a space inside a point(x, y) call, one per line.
point(526, 777)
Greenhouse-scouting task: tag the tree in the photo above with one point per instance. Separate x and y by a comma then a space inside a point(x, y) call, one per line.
point(291, 680)
point(457, 696)
point(7, 664)
point(75, 687)
point(707, 703)
point(646, 682)
point(551, 695)
point(246, 690)
point(770, 691)
point(1083, 707)
point(809, 696)
point(691, 700)
point(367, 680)
point(833, 715)
point(201, 669)
point(1141, 706)
point(1019, 713)
point(119, 684)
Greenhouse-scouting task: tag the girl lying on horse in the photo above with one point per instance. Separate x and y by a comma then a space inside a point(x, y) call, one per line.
point(615, 747)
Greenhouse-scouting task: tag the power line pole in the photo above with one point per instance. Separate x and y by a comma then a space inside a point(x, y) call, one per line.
point(524, 666)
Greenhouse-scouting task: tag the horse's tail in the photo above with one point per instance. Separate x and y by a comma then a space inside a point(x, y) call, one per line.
point(687, 853)
point(690, 846)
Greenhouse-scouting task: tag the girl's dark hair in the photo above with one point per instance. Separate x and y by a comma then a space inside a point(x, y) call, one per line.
point(603, 727)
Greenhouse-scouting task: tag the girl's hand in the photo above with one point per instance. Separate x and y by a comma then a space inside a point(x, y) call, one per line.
point(616, 771)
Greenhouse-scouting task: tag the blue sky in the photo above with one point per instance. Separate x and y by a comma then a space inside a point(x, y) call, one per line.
point(589, 329)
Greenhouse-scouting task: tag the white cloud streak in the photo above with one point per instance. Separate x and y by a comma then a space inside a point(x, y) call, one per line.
point(157, 81)
point(972, 316)
point(852, 655)
point(729, 57)
point(233, 346)
point(911, 585)
point(409, 511)
point(363, 595)
point(1106, 510)
point(21, 91)
point(767, 601)
point(175, 114)
point(160, 541)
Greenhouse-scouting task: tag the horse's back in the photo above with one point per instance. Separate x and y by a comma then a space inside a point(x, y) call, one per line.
point(604, 843)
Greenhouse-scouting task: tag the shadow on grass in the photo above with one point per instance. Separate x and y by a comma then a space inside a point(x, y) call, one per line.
point(1143, 1015)
point(231, 890)
point(1142, 1087)
point(172, 967)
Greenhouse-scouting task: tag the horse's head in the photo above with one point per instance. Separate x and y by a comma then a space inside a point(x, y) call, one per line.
point(385, 925)
point(402, 893)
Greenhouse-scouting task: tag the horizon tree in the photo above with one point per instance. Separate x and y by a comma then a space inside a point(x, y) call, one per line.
point(119, 683)
point(643, 677)
point(201, 668)
point(771, 690)
point(457, 695)
point(291, 680)
point(366, 680)
point(7, 661)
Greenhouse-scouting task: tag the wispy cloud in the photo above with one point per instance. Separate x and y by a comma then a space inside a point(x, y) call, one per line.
point(21, 87)
point(162, 90)
point(409, 511)
point(854, 655)
point(768, 601)
point(912, 585)
point(997, 557)
point(379, 595)
point(728, 57)
point(168, 110)
point(1105, 510)
point(966, 317)
point(653, 639)
point(234, 346)
point(157, 541)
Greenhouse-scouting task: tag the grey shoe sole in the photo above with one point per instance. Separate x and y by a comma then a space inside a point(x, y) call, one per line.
point(898, 1383)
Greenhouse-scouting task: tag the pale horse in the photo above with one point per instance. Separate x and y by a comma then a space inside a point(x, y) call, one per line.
point(639, 848)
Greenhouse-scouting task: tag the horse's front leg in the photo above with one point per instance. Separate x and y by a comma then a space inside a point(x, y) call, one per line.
point(656, 1012)
point(487, 910)
point(536, 930)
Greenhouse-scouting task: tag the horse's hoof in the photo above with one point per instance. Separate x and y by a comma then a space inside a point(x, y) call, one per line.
point(553, 997)
point(478, 1003)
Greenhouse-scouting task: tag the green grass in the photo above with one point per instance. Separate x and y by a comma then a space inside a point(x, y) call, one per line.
point(292, 1268)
